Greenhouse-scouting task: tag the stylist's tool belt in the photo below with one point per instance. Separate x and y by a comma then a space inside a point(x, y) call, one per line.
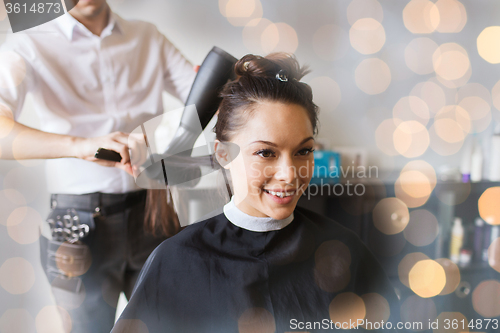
point(71, 220)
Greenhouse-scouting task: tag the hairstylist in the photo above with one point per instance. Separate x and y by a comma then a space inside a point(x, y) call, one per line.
point(94, 77)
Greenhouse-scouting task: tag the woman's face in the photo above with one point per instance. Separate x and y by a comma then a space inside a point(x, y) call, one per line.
point(276, 145)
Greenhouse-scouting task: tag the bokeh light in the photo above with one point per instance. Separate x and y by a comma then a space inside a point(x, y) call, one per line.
point(384, 136)
point(432, 94)
point(367, 36)
point(11, 200)
point(473, 90)
point(390, 216)
point(450, 61)
point(452, 317)
point(279, 37)
point(16, 320)
point(494, 255)
point(411, 139)
point(479, 112)
point(330, 42)
point(452, 275)
point(422, 229)
point(373, 76)
point(359, 9)
point(421, 16)
point(327, 94)
point(23, 225)
point(53, 319)
point(347, 308)
point(252, 35)
point(487, 44)
point(407, 263)
point(12, 69)
point(442, 147)
point(255, 320)
point(131, 325)
point(488, 206)
point(411, 108)
point(418, 310)
point(452, 123)
point(418, 55)
point(427, 278)
point(452, 14)
point(332, 266)
point(377, 308)
point(486, 298)
point(17, 275)
point(240, 12)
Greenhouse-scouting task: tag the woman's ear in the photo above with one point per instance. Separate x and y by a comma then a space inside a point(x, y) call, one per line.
point(222, 154)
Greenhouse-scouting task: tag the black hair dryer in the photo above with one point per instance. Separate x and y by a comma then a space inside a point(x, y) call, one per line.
point(214, 73)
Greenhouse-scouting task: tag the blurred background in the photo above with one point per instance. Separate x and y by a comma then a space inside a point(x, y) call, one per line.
point(409, 88)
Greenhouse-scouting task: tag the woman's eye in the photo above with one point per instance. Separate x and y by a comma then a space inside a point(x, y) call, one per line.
point(266, 153)
point(306, 151)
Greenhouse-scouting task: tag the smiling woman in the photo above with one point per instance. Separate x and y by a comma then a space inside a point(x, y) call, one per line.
point(262, 264)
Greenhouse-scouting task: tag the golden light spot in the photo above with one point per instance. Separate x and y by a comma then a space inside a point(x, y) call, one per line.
point(12, 69)
point(131, 325)
point(452, 123)
point(418, 310)
point(489, 209)
point(279, 37)
point(377, 309)
point(486, 298)
point(384, 137)
point(390, 216)
point(473, 90)
point(373, 76)
point(452, 275)
point(410, 201)
point(17, 275)
point(256, 320)
point(452, 84)
point(422, 229)
point(432, 94)
point(23, 225)
point(367, 36)
point(453, 193)
point(421, 16)
point(330, 42)
point(415, 184)
point(11, 200)
point(494, 255)
point(54, 319)
point(418, 55)
point(411, 139)
point(407, 263)
point(327, 93)
point(252, 35)
point(411, 108)
point(427, 278)
point(441, 146)
point(16, 320)
point(241, 12)
point(359, 9)
point(487, 45)
point(479, 111)
point(453, 16)
point(25, 181)
point(452, 317)
point(332, 266)
point(450, 61)
point(346, 308)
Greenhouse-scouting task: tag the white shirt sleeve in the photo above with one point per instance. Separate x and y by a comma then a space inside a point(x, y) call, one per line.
point(179, 72)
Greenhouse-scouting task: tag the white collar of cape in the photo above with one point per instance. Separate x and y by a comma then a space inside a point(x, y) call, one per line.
point(253, 223)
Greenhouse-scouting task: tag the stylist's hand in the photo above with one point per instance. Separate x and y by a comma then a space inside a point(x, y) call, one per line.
point(85, 149)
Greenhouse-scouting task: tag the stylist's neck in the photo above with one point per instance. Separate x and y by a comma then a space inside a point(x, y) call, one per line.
point(95, 20)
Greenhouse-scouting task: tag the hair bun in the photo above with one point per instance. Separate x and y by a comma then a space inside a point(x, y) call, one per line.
point(252, 66)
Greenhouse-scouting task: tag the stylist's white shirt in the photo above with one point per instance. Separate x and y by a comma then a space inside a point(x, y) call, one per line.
point(87, 85)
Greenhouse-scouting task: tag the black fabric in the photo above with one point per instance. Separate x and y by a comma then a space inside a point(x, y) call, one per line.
point(209, 276)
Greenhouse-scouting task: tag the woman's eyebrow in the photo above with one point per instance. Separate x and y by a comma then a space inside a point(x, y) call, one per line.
point(275, 145)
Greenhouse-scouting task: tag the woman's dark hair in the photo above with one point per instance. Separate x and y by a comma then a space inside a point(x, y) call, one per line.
point(256, 82)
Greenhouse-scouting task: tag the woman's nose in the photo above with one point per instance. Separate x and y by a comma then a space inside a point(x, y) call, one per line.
point(286, 170)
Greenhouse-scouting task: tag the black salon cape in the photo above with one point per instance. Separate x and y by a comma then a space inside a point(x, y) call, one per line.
point(216, 277)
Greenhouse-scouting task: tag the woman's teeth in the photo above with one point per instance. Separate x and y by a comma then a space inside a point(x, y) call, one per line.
point(281, 194)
